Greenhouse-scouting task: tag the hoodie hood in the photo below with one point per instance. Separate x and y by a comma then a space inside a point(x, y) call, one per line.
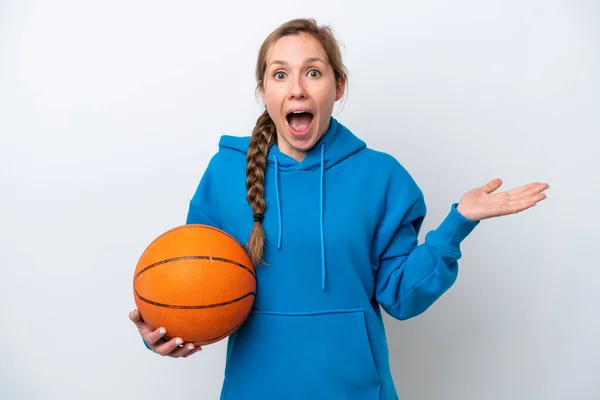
point(337, 144)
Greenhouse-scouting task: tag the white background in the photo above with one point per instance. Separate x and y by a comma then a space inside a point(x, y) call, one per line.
point(110, 110)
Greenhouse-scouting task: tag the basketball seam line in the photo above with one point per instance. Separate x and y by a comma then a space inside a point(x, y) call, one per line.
point(154, 303)
point(196, 258)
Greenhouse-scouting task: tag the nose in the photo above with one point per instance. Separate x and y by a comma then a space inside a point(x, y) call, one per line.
point(297, 90)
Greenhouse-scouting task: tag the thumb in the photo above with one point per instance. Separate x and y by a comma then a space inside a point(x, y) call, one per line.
point(492, 185)
point(136, 317)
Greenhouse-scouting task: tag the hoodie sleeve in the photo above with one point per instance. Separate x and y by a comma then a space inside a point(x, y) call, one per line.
point(411, 277)
point(203, 207)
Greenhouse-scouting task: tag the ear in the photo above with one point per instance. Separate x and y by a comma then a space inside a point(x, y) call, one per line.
point(340, 86)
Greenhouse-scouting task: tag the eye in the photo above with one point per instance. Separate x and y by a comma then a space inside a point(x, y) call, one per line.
point(279, 75)
point(314, 73)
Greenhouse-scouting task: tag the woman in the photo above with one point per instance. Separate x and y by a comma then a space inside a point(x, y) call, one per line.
point(332, 226)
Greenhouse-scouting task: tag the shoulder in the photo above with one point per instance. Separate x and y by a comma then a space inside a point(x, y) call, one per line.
point(231, 152)
point(386, 164)
point(398, 182)
point(238, 144)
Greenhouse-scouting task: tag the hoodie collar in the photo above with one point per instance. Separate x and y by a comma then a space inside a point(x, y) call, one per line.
point(339, 143)
point(312, 160)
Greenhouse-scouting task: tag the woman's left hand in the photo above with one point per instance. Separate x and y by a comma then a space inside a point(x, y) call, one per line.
point(480, 203)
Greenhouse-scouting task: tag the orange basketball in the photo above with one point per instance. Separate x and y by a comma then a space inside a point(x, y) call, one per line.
point(197, 282)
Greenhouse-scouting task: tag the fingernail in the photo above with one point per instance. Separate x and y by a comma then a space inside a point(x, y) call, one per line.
point(191, 347)
point(163, 331)
point(178, 342)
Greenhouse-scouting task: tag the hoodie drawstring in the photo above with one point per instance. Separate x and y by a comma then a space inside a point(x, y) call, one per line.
point(323, 273)
point(321, 216)
point(278, 200)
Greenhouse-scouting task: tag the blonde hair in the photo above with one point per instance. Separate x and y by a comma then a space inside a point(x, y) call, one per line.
point(265, 133)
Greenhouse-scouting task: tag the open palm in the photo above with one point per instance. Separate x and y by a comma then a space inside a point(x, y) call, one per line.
point(481, 203)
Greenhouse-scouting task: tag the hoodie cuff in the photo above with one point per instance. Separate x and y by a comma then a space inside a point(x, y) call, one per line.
point(455, 228)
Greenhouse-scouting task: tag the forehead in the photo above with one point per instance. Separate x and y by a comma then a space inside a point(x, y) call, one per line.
point(293, 49)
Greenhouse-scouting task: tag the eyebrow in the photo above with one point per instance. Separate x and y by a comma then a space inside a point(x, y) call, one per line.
point(306, 61)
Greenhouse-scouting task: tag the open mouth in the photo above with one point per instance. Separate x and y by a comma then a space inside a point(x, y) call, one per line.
point(300, 121)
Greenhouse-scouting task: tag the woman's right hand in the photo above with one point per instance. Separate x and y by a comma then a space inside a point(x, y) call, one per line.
point(154, 339)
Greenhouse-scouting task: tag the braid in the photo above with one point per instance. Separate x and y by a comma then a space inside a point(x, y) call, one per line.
point(263, 136)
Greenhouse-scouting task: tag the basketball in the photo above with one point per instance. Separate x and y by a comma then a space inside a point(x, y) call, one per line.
point(197, 282)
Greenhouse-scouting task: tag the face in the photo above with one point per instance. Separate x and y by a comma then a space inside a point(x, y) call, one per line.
point(299, 90)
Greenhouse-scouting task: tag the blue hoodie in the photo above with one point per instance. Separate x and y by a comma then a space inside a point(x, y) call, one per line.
point(341, 232)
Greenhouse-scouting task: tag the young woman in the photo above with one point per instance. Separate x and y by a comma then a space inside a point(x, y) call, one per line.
point(332, 227)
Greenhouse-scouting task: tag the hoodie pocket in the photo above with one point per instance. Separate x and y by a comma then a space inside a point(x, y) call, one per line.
point(324, 355)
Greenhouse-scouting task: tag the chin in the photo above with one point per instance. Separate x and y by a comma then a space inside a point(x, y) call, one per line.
point(304, 143)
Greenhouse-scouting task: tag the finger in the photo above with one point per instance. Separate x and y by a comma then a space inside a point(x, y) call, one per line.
point(535, 189)
point(492, 185)
point(529, 188)
point(142, 326)
point(532, 195)
point(182, 351)
point(537, 198)
point(139, 322)
point(135, 317)
point(523, 188)
point(194, 351)
point(153, 338)
point(165, 348)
